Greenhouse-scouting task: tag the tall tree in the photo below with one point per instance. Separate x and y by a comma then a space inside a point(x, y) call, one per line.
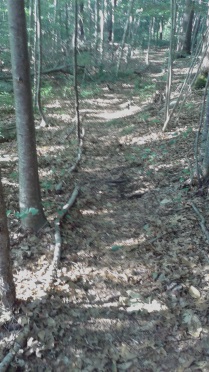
point(7, 288)
point(184, 44)
point(170, 66)
point(131, 3)
point(38, 60)
point(80, 22)
point(29, 187)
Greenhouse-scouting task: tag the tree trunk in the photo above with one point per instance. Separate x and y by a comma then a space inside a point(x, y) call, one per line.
point(80, 22)
point(38, 60)
point(184, 44)
point(101, 13)
point(7, 288)
point(29, 189)
point(170, 65)
point(76, 75)
point(205, 64)
point(161, 29)
point(131, 3)
point(149, 40)
point(188, 36)
point(96, 26)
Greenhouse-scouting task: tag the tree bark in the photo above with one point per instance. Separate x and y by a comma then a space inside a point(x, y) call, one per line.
point(131, 3)
point(80, 22)
point(7, 287)
point(31, 212)
point(39, 61)
point(184, 44)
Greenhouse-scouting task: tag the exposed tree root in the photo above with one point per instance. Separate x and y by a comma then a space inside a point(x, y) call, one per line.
point(201, 222)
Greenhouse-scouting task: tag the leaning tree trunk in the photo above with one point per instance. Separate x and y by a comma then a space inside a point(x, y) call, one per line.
point(7, 288)
point(29, 189)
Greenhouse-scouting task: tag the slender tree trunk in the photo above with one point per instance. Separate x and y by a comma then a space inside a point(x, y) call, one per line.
point(90, 28)
point(149, 40)
point(205, 64)
point(80, 22)
point(102, 10)
point(188, 36)
point(96, 25)
point(30, 49)
point(131, 3)
point(197, 24)
point(75, 75)
point(170, 66)
point(205, 130)
point(161, 28)
point(7, 288)
point(29, 189)
point(55, 41)
point(39, 61)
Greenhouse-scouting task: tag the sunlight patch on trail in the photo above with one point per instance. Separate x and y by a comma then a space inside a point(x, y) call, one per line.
point(118, 114)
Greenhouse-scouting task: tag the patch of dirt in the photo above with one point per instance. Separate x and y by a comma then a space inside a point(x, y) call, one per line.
point(131, 293)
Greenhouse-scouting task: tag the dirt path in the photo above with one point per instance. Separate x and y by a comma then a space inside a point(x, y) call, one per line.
point(132, 291)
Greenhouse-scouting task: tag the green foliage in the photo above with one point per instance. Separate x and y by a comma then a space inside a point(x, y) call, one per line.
point(116, 248)
point(200, 81)
point(144, 89)
point(6, 101)
point(89, 91)
point(47, 185)
point(185, 174)
point(127, 130)
point(130, 158)
point(188, 131)
point(47, 91)
point(24, 213)
point(14, 175)
point(84, 59)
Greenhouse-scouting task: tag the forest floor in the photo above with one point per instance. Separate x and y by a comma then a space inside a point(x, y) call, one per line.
point(131, 292)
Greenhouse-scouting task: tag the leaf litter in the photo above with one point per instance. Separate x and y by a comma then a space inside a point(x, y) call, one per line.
point(131, 291)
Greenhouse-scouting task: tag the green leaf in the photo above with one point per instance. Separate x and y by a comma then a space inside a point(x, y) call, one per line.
point(116, 247)
point(155, 275)
point(33, 211)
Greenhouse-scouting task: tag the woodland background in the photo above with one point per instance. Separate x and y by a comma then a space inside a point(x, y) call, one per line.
point(104, 156)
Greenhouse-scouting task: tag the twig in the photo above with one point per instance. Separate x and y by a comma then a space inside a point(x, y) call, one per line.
point(17, 346)
point(202, 221)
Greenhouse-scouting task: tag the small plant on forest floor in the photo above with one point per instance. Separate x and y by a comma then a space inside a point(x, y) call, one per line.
point(127, 130)
point(47, 185)
point(90, 91)
point(187, 132)
point(186, 174)
point(23, 214)
point(130, 158)
point(6, 102)
point(47, 92)
point(115, 122)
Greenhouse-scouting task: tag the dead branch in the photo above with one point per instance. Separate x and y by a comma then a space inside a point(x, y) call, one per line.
point(20, 340)
point(58, 238)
